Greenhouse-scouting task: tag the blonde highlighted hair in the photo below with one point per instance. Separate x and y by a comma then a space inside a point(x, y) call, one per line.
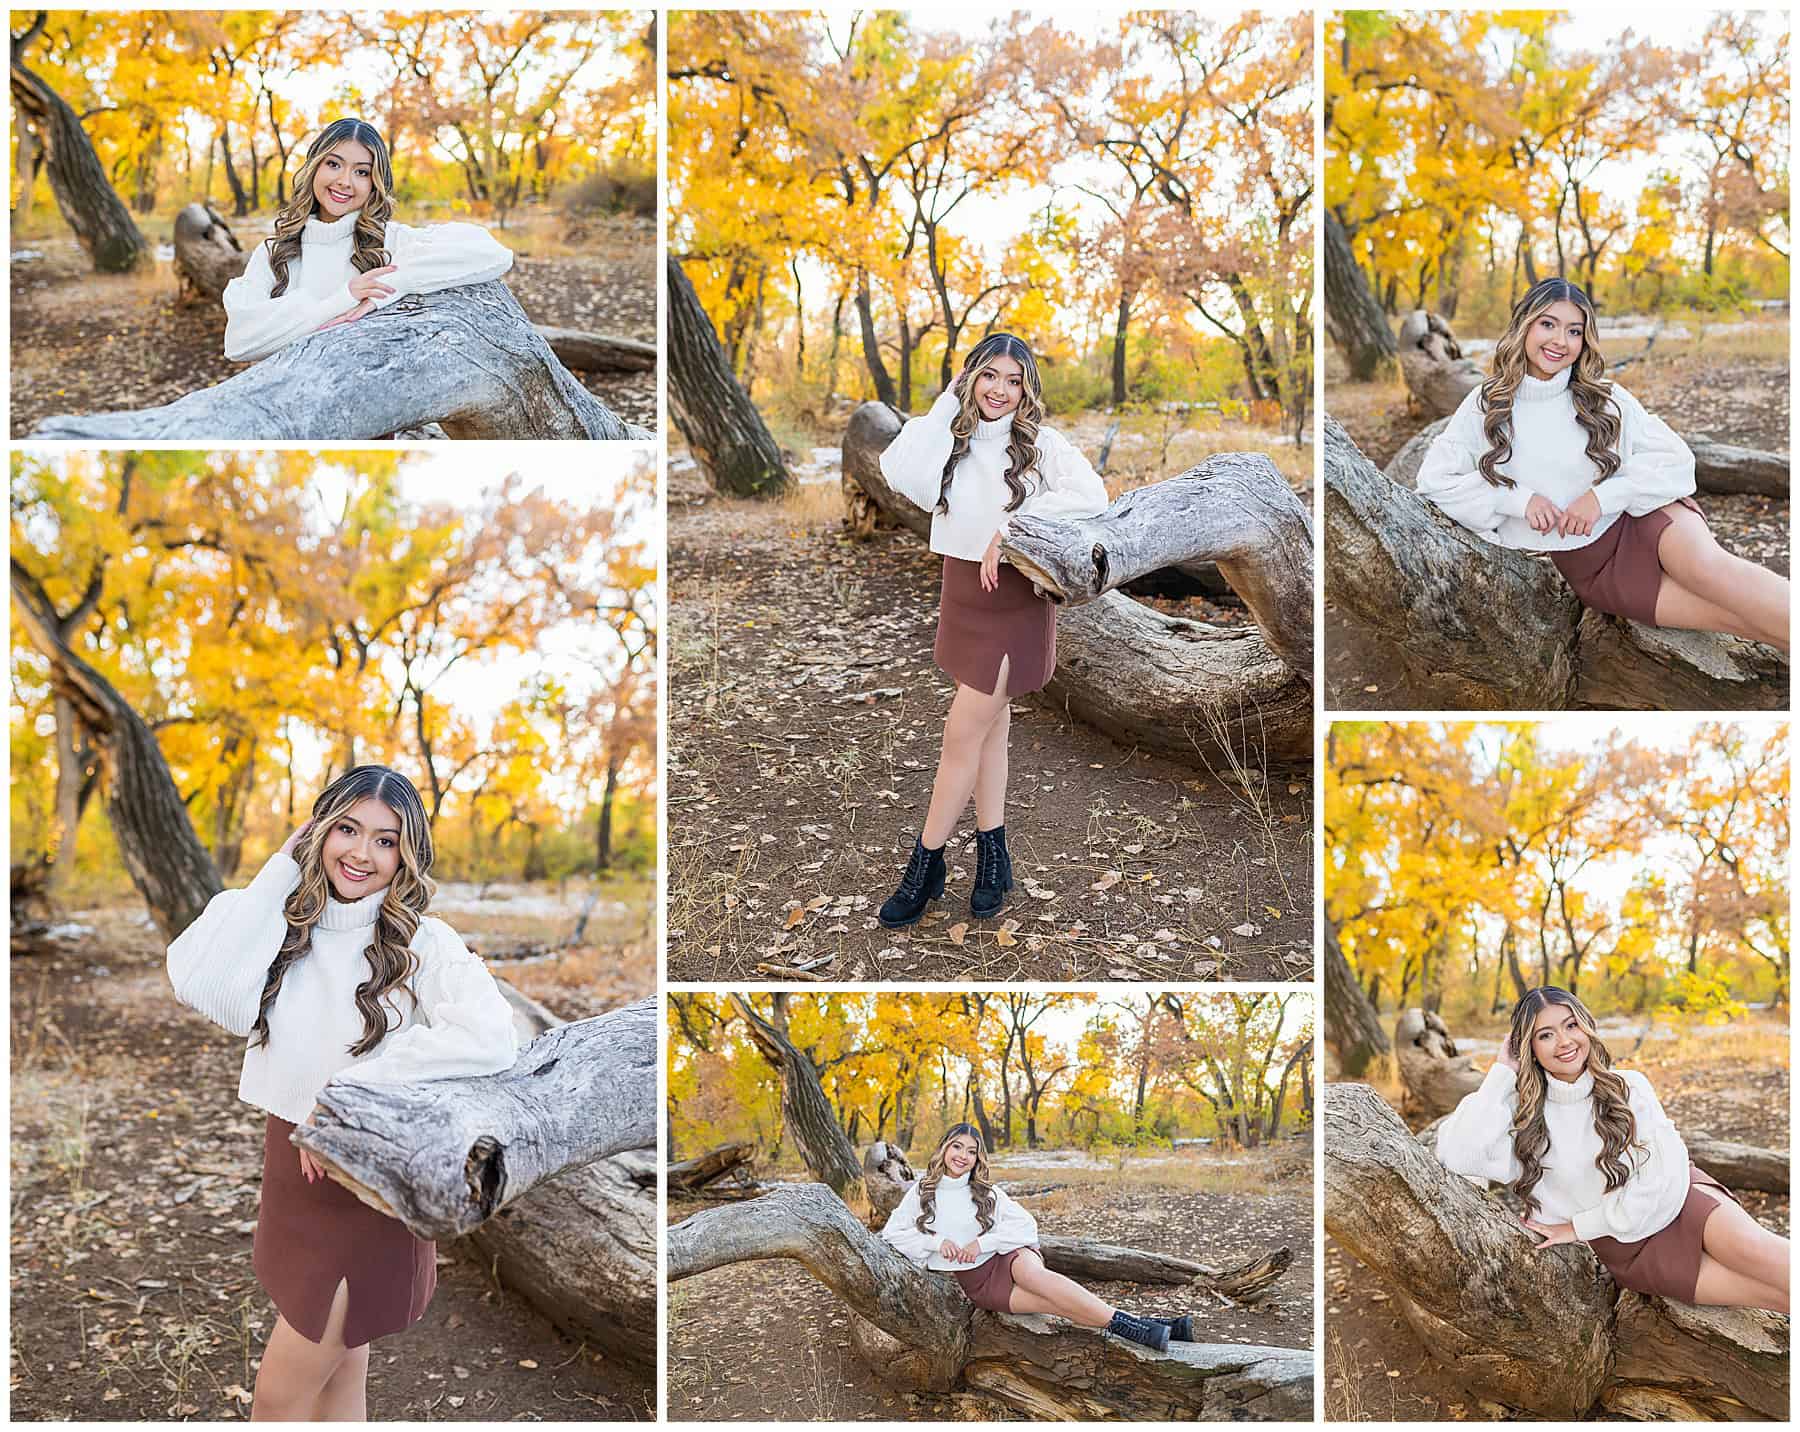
point(981, 1189)
point(1022, 451)
point(369, 241)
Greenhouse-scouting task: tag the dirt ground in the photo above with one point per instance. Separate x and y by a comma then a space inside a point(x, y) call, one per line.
point(1376, 1370)
point(135, 1178)
point(761, 1341)
point(1736, 392)
point(84, 342)
point(805, 720)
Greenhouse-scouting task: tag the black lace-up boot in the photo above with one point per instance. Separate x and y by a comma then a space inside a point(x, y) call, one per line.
point(1146, 1331)
point(1181, 1329)
point(922, 883)
point(993, 872)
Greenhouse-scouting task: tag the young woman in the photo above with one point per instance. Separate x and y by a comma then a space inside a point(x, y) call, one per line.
point(979, 458)
point(311, 961)
point(337, 254)
point(953, 1220)
point(1548, 456)
point(1594, 1157)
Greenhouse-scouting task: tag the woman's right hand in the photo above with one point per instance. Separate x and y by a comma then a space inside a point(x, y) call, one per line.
point(1543, 514)
point(950, 1251)
point(293, 840)
point(1507, 1059)
point(369, 284)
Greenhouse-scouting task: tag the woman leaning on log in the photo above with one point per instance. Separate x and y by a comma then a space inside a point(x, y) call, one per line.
point(980, 457)
point(309, 961)
point(1546, 455)
point(1596, 1160)
point(953, 1220)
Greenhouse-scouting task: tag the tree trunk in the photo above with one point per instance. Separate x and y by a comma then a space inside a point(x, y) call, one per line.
point(598, 352)
point(29, 163)
point(917, 1331)
point(465, 358)
point(240, 201)
point(207, 255)
point(1353, 319)
point(1082, 1259)
point(810, 1118)
point(1545, 1333)
point(1167, 684)
point(1118, 352)
point(886, 1177)
point(76, 772)
point(102, 223)
point(1499, 628)
point(1352, 1026)
point(727, 435)
point(871, 345)
point(1740, 1165)
point(1435, 1077)
point(1437, 376)
point(693, 1175)
point(603, 842)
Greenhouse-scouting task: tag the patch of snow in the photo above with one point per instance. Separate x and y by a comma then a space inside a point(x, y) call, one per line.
point(27, 256)
point(68, 930)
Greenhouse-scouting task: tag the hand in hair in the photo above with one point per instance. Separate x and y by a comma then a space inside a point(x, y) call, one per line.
point(1552, 1233)
point(369, 284)
point(1543, 514)
point(293, 841)
point(1507, 1057)
point(1579, 516)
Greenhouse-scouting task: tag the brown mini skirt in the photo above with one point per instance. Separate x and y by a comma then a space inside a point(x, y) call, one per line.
point(976, 629)
point(1667, 1263)
point(990, 1285)
point(1619, 571)
point(312, 1236)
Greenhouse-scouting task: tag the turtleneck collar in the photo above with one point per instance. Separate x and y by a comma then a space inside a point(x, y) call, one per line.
point(1538, 390)
point(351, 915)
point(1578, 1092)
point(998, 430)
point(955, 1181)
point(338, 231)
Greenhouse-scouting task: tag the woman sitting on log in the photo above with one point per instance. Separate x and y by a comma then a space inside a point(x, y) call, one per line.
point(1548, 456)
point(980, 457)
point(1596, 1160)
point(953, 1220)
point(337, 255)
point(309, 960)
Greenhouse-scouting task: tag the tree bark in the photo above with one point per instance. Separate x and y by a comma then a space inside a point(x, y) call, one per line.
point(1086, 1260)
point(1351, 1024)
point(1740, 1165)
point(598, 352)
point(886, 1177)
point(811, 1120)
point(207, 254)
point(465, 358)
point(1178, 687)
point(871, 345)
point(1353, 319)
point(727, 435)
point(102, 223)
point(1437, 376)
point(1546, 1333)
point(1498, 628)
point(693, 1175)
point(1435, 1077)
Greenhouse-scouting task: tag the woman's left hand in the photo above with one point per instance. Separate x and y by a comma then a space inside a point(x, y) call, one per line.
point(970, 1251)
point(362, 310)
point(1552, 1233)
point(1579, 516)
point(310, 1167)
point(990, 565)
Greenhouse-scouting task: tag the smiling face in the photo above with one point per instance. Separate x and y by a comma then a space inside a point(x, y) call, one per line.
point(998, 388)
point(960, 1155)
point(1559, 1043)
point(362, 849)
point(344, 179)
point(1554, 339)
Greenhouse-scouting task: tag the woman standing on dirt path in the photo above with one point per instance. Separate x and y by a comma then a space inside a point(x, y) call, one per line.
point(979, 458)
point(953, 1220)
point(1548, 456)
point(1596, 1160)
point(337, 254)
point(308, 961)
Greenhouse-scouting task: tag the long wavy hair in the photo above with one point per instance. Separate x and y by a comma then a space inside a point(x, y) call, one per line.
point(980, 1188)
point(1588, 385)
point(1613, 1120)
point(403, 903)
point(1021, 444)
point(369, 241)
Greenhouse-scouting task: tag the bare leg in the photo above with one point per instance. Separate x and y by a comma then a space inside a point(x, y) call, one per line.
point(345, 1397)
point(1037, 1290)
point(1756, 597)
point(1720, 1287)
point(1677, 607)
point(990, 774)
point(295, 1369)
point(972, 713)
point(1744, 1248)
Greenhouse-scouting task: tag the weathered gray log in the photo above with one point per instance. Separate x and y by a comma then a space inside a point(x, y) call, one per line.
point(1437, 375)
point(444, 1155)
point(917, 1331)
point(207, 254)
point(811, 1121)
point(886, 1177)
point(693, 1175)
point(725, 433)
point(1496, 628)
point(598, 352)
point(1544, 1332)
point(1434, 1076)
point(1740, 1165)
point(1353, 318)
point(1182, 688)
point(465, 358)
point(1351, 1025)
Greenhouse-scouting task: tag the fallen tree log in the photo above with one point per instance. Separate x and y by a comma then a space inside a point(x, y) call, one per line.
point(886, 1177)
point(598, 352)
point(1497, 628)
point(1547, 1333)
point(465, 358)
point(1437, 375)
point(693, 1175)
point(1740, 1165)
point(1182, 688)
point(1435, 1078)
point(916, 1330)
point(207, 254)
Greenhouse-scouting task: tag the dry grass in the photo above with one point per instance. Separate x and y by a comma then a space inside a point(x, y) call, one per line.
point(1343, 1381)
point(817, 506)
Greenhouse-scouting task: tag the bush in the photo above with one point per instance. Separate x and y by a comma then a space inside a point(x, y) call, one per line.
point(617, 190)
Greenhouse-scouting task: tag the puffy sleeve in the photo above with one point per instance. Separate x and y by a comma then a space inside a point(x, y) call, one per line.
point(1069, 488)
point(1013, 1227)
point(913, 463)
point(1476, 1137)
point(1655, 466)
point(1651, 1197)
point(1450, 479)
point(441, 256)
point(901, 1231)
point(220, 963)
point(257, 325)
point(464, 1026)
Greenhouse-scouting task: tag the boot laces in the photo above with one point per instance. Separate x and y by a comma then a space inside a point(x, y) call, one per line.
point(987, 860)
point(913, 881)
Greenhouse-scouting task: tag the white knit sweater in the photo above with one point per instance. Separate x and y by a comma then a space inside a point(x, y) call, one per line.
point(461, 1023)
point(425, 260)
point(1476, 1139)
point(1065, 485)
point(1550, 457)
point(953, 1217)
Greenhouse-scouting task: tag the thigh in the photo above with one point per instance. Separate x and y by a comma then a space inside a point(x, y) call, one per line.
point(972, 712)
point(1721, 1287)
point(1677, 606)
point(1028, 1269)
point(1687, 543)
point(1729, 1227)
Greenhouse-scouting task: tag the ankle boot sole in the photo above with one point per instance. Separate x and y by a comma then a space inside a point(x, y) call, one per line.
point(930, 895)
